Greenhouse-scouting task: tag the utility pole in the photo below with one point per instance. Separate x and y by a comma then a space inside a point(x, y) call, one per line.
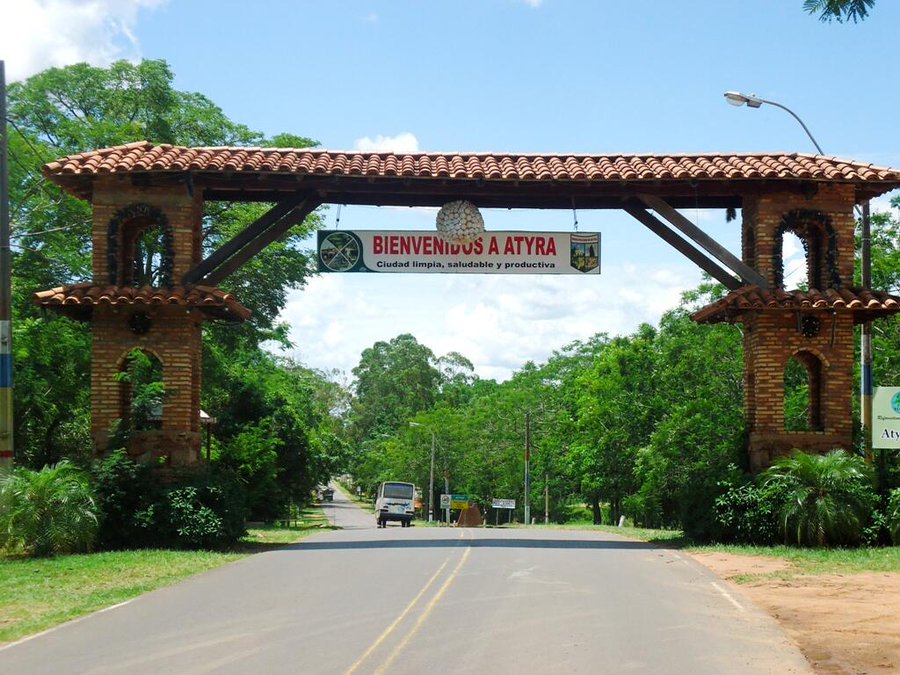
point(546, 498)
point(527, 467)
point(6, 381)
point(867, 385)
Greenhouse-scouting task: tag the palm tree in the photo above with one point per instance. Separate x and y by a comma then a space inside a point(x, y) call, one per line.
point(47, 512)
point(824, 500)
point(841, 10)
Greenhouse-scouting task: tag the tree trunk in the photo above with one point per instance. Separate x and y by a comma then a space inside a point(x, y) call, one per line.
point(595, 507)
point(615, 510)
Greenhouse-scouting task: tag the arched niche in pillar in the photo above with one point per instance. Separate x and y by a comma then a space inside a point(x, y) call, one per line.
point(140, 247)
point(819, 240)
point(803, 384)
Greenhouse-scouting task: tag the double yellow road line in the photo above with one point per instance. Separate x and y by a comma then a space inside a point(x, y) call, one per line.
point(423, 616)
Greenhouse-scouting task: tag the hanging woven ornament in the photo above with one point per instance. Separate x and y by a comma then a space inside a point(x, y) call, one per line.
point(459, 222)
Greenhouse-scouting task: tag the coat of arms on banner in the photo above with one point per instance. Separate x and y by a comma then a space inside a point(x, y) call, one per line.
point(584, 253)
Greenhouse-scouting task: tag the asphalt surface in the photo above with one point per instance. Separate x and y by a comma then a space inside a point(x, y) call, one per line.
point(428, 600)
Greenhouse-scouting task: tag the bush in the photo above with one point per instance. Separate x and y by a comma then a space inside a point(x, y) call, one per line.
point(191, 510)
point(193, 523)
point(893, 516)
point(822, 500)
point(252, 457)
point(745, 515)
point(47, 512)
point(124, 489)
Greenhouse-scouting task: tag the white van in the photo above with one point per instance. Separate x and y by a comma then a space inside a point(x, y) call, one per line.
point(395, 501)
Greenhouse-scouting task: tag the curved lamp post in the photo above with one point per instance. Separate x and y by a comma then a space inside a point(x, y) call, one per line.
point(431, 474)
point(753, 101)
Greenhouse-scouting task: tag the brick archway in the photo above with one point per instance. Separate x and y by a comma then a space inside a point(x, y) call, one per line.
point(775, 192)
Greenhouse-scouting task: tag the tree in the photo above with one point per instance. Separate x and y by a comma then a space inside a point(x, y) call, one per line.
point(615, 417)
point(839, 10)
point(80, 108)
point(394, 381)
point(824, 500)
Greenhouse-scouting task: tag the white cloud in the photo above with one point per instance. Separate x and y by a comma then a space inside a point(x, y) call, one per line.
point(534, 3)
point(498, 322)
point(40, 34)
point(403, 142)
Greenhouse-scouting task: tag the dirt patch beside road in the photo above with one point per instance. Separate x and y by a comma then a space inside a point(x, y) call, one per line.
point(842, 623)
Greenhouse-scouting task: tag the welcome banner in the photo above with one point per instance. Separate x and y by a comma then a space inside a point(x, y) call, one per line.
point(491, 253)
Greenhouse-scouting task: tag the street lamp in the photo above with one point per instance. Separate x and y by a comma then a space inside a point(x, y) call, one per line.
point(430, 474)
point(736, 98)
point(753, 101)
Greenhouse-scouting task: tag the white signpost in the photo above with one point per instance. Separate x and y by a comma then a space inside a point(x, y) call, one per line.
point(886, 417)
point(503, 504)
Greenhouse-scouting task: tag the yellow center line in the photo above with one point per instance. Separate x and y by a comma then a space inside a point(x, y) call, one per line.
point(425, 613)
point(390, 629)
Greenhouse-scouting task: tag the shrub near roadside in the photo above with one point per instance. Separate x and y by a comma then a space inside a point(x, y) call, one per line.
point(47, 512)
point(745, 515)
point(893, 516)
point(821, 500)
point(198, 509)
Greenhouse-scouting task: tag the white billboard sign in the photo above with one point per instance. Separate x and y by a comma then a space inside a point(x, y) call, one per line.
point(886, 417)
point(490, 253)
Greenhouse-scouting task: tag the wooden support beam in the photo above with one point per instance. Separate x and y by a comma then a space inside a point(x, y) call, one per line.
point(247, 235)
point(258, 243)
point(684, 247)
point(698, 236)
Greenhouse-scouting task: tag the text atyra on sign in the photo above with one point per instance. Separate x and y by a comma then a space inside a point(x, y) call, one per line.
point(490, 253)
point(886, 417)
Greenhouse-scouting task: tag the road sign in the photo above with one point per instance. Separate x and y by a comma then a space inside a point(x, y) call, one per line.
point(886, 417)
point(459, 502)
point(504, 503)
point(455, 502)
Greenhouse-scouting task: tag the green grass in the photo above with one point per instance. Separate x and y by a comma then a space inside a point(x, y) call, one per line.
point(36, 594)
point(803, 561)
point(813, 561)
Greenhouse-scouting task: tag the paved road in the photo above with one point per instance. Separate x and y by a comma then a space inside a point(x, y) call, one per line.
point(428, 600)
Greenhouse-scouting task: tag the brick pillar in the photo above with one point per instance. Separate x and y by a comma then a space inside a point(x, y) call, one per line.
point(175, 330)
point(173, 338)
point(772, 337)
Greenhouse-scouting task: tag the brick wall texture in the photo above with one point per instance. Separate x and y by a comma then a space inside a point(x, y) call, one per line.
point(173, 337)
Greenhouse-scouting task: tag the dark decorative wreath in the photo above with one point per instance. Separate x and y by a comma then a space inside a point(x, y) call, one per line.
point(155, 215)
point(139, 323)
point(807, 224)
point(810, 326)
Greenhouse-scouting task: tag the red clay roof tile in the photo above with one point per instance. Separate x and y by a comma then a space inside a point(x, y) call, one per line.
point(864, 303)
point(78, 300)
point(75, 171)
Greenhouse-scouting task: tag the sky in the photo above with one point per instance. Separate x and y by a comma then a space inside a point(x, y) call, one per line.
point(523, 76)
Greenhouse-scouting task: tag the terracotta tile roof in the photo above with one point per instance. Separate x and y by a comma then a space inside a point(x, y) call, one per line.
point(865, 304)
point(144, 157)
point(78, 300)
